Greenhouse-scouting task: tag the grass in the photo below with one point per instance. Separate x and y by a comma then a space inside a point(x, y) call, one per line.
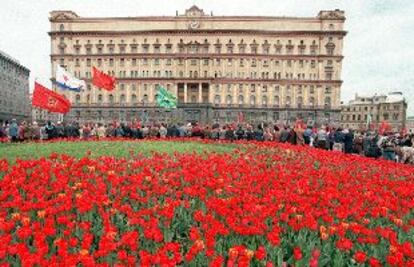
point(119, 149)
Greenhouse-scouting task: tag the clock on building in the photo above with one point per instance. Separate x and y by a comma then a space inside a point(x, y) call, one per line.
point(194, 24)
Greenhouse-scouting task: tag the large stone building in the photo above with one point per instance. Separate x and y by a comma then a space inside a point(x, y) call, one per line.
point(268, 68)
point(14, 89)
point(391, 108)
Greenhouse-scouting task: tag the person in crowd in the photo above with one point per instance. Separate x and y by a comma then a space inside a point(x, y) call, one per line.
point(229, 134)
point(249, 133)
point(50, 130)
point(300, 135)
point(292, 137)
point(307, 135)
point(322, 139)
point(387, 146)
point(284, 135)
point(196, 130)
point(2, 130)
point(268, 133)
point(391, 146)
point(222, 132)
point(14, 131)
point(338, 140)
point(182, 130)
point(60, 130)
point(258, 133)
point(28, 133)
point(374, 151)
point(240, 132)
point(163, 131)
point(22, 130)
point(35, 131)
point(358, 141)
point(206, 132)
point(276, 134)
point(348, 141)
point(101, 131)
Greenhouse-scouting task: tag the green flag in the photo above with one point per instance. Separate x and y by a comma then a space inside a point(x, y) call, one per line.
point(166, 99)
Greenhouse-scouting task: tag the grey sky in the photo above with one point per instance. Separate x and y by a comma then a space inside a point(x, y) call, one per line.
point(379, 46)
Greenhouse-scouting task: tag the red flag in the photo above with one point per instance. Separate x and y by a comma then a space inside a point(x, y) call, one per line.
point(47, 99)
point(102, 80)
point(300, 124)
point(385, 127)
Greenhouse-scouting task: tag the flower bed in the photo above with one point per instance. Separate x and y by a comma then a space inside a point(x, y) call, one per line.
point(267, 204)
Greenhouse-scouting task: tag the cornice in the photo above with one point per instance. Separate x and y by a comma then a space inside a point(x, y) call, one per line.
point(202, 32)
point(197, 56)
point(186, 18)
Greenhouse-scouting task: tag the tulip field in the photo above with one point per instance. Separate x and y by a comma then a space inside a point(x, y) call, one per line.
point(201, 203)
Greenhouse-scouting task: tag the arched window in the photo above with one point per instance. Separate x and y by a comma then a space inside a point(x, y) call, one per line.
point(327, 101)
point(78, 99)
point(288, 101)
point(134, 98)
point(123, 99)
point(276, 100)
point(299, 101)
point(252, 100)
point(241, 100)
point(145, 98)
point(229, 100)
point(312, 101)
point(111, 99)
point(264, 100)
point(62, 27)
point(217, 99)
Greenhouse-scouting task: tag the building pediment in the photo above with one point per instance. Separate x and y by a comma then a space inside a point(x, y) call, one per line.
point(194, 11)
point(63, 15)
point(331, 14)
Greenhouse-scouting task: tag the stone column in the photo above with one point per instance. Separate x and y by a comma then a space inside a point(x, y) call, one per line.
point(200, 93)
point(185, 93)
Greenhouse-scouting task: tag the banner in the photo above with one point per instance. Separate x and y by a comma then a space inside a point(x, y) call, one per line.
point(47, 99)
point(102, 80)
point(66, 81)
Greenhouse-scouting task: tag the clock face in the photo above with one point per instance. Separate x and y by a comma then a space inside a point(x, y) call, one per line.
point(194, 24)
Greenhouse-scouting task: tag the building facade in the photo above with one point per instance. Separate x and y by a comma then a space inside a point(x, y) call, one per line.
point(14, 89)
point(268, 68)
point(409, 124)
point(391, 108)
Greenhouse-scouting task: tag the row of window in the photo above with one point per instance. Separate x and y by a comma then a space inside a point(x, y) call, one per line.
point(383, 107)
point(194, 47)
point(299, 89)
point(364, 118)
point(205, 62)
point(207, 74)
point(111, 99)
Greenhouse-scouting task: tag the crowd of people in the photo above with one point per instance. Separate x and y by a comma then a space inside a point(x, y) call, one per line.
point(388, 145)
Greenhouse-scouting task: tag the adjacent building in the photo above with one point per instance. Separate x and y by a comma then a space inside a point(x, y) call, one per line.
point(410, 124)
point(14, 90)
point(375, 109)
point(268, 68)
